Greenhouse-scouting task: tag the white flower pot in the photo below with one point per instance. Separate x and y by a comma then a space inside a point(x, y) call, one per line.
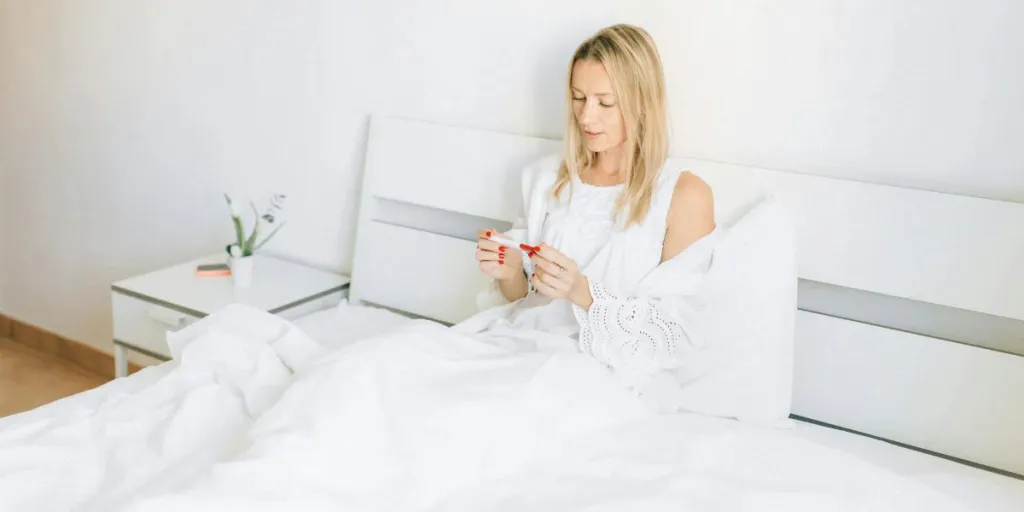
point(241, 271)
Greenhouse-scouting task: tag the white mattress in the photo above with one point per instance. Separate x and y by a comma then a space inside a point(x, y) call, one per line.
point(977, 488)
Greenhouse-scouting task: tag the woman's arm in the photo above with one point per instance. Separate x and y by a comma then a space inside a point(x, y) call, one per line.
point(651, 333)
point(514, 288)
point(650, 328)
point(537, 180)
point(503, 264)
point(691, 216)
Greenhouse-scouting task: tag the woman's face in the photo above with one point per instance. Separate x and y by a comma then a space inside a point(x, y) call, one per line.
point(596, 107)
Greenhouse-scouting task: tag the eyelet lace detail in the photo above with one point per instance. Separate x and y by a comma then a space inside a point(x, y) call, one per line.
point(631, 331)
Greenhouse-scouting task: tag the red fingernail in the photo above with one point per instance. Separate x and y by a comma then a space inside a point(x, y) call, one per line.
point(533, 275)
point(501, 256)
point(532, 253)
point(525, 247)
point(501, 262)
point(488, 234)
point(501, 248)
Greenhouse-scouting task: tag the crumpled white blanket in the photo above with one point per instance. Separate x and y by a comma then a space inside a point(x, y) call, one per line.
point(427, 418)
point(254, 416)
point(157, 429)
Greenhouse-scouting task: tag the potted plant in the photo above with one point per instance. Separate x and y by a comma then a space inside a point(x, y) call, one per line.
point(245, 246)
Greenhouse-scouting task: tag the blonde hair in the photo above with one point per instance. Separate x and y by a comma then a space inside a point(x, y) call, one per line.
point(631, 60)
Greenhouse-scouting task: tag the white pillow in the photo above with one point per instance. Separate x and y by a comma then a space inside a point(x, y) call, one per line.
point(751, 287)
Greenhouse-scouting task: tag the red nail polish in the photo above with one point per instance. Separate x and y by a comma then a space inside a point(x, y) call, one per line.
point(531, 254)
point(501, 262)
point(488, 234)
point(525, 247)
point(501, 248)
point(501, 256)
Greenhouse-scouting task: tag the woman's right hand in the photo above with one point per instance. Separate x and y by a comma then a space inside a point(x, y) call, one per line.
point(496, 260)
point(505, 264)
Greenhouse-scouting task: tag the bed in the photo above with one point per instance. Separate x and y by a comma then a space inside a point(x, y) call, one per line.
point(906, 373)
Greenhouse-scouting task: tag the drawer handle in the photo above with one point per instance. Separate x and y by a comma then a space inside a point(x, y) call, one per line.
point(167, 317)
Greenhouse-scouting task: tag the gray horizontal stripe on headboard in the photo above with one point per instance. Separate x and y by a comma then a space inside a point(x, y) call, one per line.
point(434, 220)
point(947, 323)
point(941, 322)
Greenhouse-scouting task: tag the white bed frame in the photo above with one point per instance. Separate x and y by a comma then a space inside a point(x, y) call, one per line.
point(427, 188)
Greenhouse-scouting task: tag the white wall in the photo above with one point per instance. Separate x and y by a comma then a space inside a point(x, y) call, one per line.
point(124, 122)
point(121, 122)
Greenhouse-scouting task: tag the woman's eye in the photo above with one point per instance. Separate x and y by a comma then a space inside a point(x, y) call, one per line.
point(577, 99)
point(607, 105)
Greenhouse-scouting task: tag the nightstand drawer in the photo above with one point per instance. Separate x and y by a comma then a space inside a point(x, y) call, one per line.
point(144, 325)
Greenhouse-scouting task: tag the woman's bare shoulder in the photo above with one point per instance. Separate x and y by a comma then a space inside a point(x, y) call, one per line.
point(692, 187)
point(692, 199)
point(691, 215)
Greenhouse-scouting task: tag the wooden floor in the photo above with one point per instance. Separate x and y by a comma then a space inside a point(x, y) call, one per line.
point(29, 378)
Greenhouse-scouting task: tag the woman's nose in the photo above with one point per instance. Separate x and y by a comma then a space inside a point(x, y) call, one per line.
point(588, 115)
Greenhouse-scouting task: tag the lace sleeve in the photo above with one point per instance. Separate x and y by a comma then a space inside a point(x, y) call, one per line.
point(631, 333)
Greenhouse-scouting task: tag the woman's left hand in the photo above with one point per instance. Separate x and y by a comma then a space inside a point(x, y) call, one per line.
point(557, 276)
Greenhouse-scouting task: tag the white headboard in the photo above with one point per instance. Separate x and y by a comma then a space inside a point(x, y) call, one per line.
point(911, 325)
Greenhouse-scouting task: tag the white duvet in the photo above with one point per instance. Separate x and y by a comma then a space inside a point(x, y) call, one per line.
point(254, 416)
point(155, 430)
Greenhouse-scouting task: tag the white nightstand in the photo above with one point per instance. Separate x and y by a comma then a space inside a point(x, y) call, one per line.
point(146, 307)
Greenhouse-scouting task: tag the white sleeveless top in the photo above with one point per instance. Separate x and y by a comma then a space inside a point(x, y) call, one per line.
point(580, 224)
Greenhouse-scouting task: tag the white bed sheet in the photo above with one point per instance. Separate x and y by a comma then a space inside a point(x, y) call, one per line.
point(979, 489)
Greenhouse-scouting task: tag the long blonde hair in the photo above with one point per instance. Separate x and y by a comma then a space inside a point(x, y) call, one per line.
point(631, 60)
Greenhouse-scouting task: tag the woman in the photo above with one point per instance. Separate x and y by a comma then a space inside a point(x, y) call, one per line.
point(611, 215)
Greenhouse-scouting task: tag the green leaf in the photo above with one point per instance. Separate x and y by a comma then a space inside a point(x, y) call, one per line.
point(239, 233)
point(247, 249)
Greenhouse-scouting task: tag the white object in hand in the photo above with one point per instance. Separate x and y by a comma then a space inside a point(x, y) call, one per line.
point(504, 240)
point(508, 242)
